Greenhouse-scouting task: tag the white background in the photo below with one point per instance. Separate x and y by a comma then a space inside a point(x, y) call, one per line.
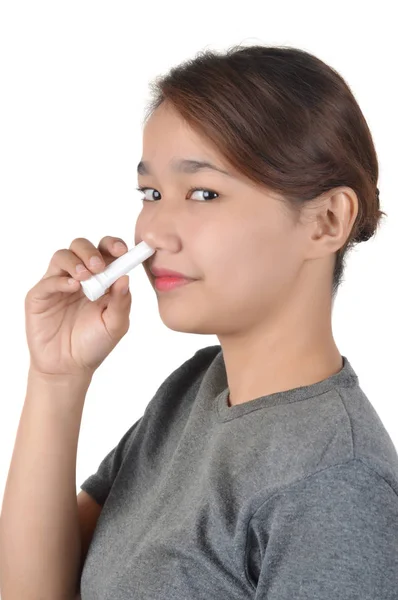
point(74, 86)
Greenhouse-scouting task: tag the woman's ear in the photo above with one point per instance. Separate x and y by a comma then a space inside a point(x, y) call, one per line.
point(331, 219)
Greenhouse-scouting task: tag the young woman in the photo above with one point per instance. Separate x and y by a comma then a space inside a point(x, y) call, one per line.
point(259, 469)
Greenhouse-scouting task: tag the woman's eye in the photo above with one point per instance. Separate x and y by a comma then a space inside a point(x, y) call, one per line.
point(206, 192)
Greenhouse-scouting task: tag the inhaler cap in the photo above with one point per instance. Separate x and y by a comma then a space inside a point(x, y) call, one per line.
point(94, 288)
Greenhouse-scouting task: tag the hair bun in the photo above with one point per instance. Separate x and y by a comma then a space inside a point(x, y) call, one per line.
point(365, 236)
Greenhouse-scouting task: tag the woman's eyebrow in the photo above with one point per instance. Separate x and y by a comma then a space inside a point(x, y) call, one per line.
point(183, 166)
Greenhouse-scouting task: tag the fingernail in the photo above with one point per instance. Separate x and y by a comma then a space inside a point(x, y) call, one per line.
point(119, 246)
point(95, 261)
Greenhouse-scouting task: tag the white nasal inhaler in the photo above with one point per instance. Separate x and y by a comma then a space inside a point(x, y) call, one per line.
point(96, 286)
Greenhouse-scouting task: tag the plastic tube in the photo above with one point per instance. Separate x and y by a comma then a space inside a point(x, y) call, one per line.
point(96, 286)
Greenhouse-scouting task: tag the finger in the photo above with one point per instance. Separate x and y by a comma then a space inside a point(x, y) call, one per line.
point(49, 286)
point(111, 247)
point(83, 259)
point(116, 315)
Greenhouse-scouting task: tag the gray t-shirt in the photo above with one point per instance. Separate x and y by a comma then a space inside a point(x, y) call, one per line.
point(290, 496)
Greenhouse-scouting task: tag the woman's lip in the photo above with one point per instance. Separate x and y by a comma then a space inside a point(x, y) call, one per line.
point(167, 273)
point(164, 284)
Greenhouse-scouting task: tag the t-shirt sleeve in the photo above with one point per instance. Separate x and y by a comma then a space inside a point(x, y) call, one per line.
point(173, 388)
point(330, 536)
point(98, 484)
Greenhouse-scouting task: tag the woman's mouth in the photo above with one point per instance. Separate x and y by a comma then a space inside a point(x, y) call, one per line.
point(164, 284)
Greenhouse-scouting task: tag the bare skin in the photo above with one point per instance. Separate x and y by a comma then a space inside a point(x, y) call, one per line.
point(263, 277)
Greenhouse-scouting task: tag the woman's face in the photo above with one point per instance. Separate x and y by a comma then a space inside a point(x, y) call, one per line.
point(238, 242)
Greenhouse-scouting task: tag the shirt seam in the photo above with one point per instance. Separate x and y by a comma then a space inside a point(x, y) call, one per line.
point(289, 489)
point(316, 394)
point(365, 464)
point(349, 420)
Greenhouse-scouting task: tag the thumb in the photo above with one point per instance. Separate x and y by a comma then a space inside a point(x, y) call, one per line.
point(116, 316)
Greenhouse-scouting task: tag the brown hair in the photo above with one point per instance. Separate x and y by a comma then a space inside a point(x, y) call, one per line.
point(284, 119)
